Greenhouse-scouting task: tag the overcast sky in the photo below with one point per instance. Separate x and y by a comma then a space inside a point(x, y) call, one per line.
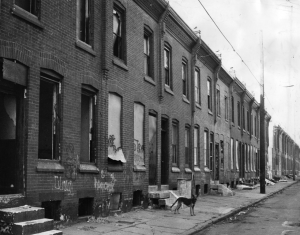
point(242, 21)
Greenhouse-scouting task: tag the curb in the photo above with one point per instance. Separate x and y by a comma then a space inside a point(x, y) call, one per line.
point(234, 211)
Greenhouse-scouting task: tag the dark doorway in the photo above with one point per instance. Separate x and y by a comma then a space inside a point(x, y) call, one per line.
point(152, 150)
point(137, 198)
point(217, 162)
point(164, 151)
point(242, 162)
point(85, 206)
point(52, 209)
point(11, 124)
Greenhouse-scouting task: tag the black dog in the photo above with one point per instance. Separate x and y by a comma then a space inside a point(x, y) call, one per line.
point(190, 202)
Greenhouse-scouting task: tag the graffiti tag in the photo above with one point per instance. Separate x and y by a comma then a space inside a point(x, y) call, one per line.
point(106, 186)
point(63, 185)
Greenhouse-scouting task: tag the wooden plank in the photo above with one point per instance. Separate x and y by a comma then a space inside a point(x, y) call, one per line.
point(14, 72)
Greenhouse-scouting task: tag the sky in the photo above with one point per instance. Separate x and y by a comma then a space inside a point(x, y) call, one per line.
point(249, 24)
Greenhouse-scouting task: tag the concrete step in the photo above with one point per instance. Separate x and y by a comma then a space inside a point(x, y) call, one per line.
point(21, 213)
point(159, 194)
point(32, 226)
point(51, 232)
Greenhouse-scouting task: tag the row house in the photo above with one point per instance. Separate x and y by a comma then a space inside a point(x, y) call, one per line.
point(285, 153)
point(102, 102)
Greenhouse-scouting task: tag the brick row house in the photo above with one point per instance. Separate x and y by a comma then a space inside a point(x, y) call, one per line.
point(100, 100)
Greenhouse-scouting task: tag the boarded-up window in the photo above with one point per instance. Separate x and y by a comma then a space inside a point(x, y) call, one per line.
point(114, 128)
point(48, 119)
point(139, 134)
point(87, 153)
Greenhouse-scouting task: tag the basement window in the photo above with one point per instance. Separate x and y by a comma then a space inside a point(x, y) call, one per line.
point(85, 206)
point(137, 198)
point(49, 119)
point(52, 209)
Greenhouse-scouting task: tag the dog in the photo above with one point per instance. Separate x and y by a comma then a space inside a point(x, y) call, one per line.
point(190, 202)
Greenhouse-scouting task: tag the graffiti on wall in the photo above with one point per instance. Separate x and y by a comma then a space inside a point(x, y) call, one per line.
point(71, 161)
point(138, 153)
point(63, 185)
point(106, 183)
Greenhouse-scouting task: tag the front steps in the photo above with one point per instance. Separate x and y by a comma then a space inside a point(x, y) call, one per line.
point(26, 220)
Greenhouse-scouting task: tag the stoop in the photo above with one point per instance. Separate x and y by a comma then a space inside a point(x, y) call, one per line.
point(26, 220)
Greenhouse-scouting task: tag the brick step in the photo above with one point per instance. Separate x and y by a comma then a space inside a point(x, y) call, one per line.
point(21, 213)
point(32, 226)
point(51, 232)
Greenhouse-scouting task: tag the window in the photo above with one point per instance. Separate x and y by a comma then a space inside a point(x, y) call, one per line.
point(237, 153)
point(232, 109)
point(174, 143)
point(187, 145)
point(248, 121)
point(251, 158)
point(115, 153)
point(226, 108)
point(197, 87)
point(167, 66)
point(243, 117)
point(255, 126)
point(239, 113)
point(251, 124)
point(218, 102)
point(139, 110)
point(184, 78)
point(118, 33)
point(231, 153)
point(211, 149)
point(209, 100)
point(49, 119)
point(88, 135)
point(196, 148)
point(84, 20)
point(206, 153)
point(147, 54)
point(28, 5)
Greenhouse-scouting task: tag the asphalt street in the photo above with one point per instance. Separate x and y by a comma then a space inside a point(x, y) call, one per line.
point(279, 214)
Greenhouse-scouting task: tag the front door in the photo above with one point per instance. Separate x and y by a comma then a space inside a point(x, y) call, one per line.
point(164, 152)
point(11, 160)
point(152, 150)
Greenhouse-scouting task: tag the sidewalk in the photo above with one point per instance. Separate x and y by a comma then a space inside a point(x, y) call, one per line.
point(209, 209)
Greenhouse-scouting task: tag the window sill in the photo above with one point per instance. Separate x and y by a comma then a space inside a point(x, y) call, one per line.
point(239, 127)
point(49, 166)
point(120, 63)
point(150, 80)
point(210, 112)
point(232, 124)
point(187, 170)
point(168, 89)
point(198, 105)
point(185, 99)
point(197, 169)
point(138, 168)
point(86, 47)
point(25, 15)
point(175, 169)
point(88, 168)
point(206, 169)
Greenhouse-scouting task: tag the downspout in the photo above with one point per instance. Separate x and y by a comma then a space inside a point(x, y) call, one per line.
point(162, 31)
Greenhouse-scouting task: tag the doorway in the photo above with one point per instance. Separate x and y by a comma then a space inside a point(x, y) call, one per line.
point(152, 150)
point(217, 176)
point(164, 151)
point(11, 124)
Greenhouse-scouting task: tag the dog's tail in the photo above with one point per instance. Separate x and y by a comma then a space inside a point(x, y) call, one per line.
point(174, 203)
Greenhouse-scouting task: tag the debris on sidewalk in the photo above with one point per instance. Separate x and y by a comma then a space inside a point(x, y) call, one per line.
point(268, 182)
point(243, 187)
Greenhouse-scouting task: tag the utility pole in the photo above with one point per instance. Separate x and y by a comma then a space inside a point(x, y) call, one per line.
point(262, 126)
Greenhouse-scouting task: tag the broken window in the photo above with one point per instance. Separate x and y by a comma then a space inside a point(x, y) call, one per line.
point(147, 54)
point(84, 20)
point(49, 119)
point(88, 148)
point(138, 142)
point(205, 148)
point(197, 87)
point(209, 101)
point(118, 33)
point(184, 78)
point(28, 5)
point(218, 101)
point(114, 129)
point(187, 144)
point(196, 148)
point(174, 143)
point(167, 65)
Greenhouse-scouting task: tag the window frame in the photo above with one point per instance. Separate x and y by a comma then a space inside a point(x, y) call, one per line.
point(211, 149)
point(119, 37)
point(197, 88)
point(86, 23)
point(209, 94)
point(36, 9)
point(175, 146)
point(93, 129)
point(184, 77)
point(206, 146)
point(232, 109)
point(226, 108)
point(196, 160)
point(239, 113)
point(147, 54)
point(243, 117)
point(56, 129)
point(167, 66)
point(187, 139)
point(218, 94)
